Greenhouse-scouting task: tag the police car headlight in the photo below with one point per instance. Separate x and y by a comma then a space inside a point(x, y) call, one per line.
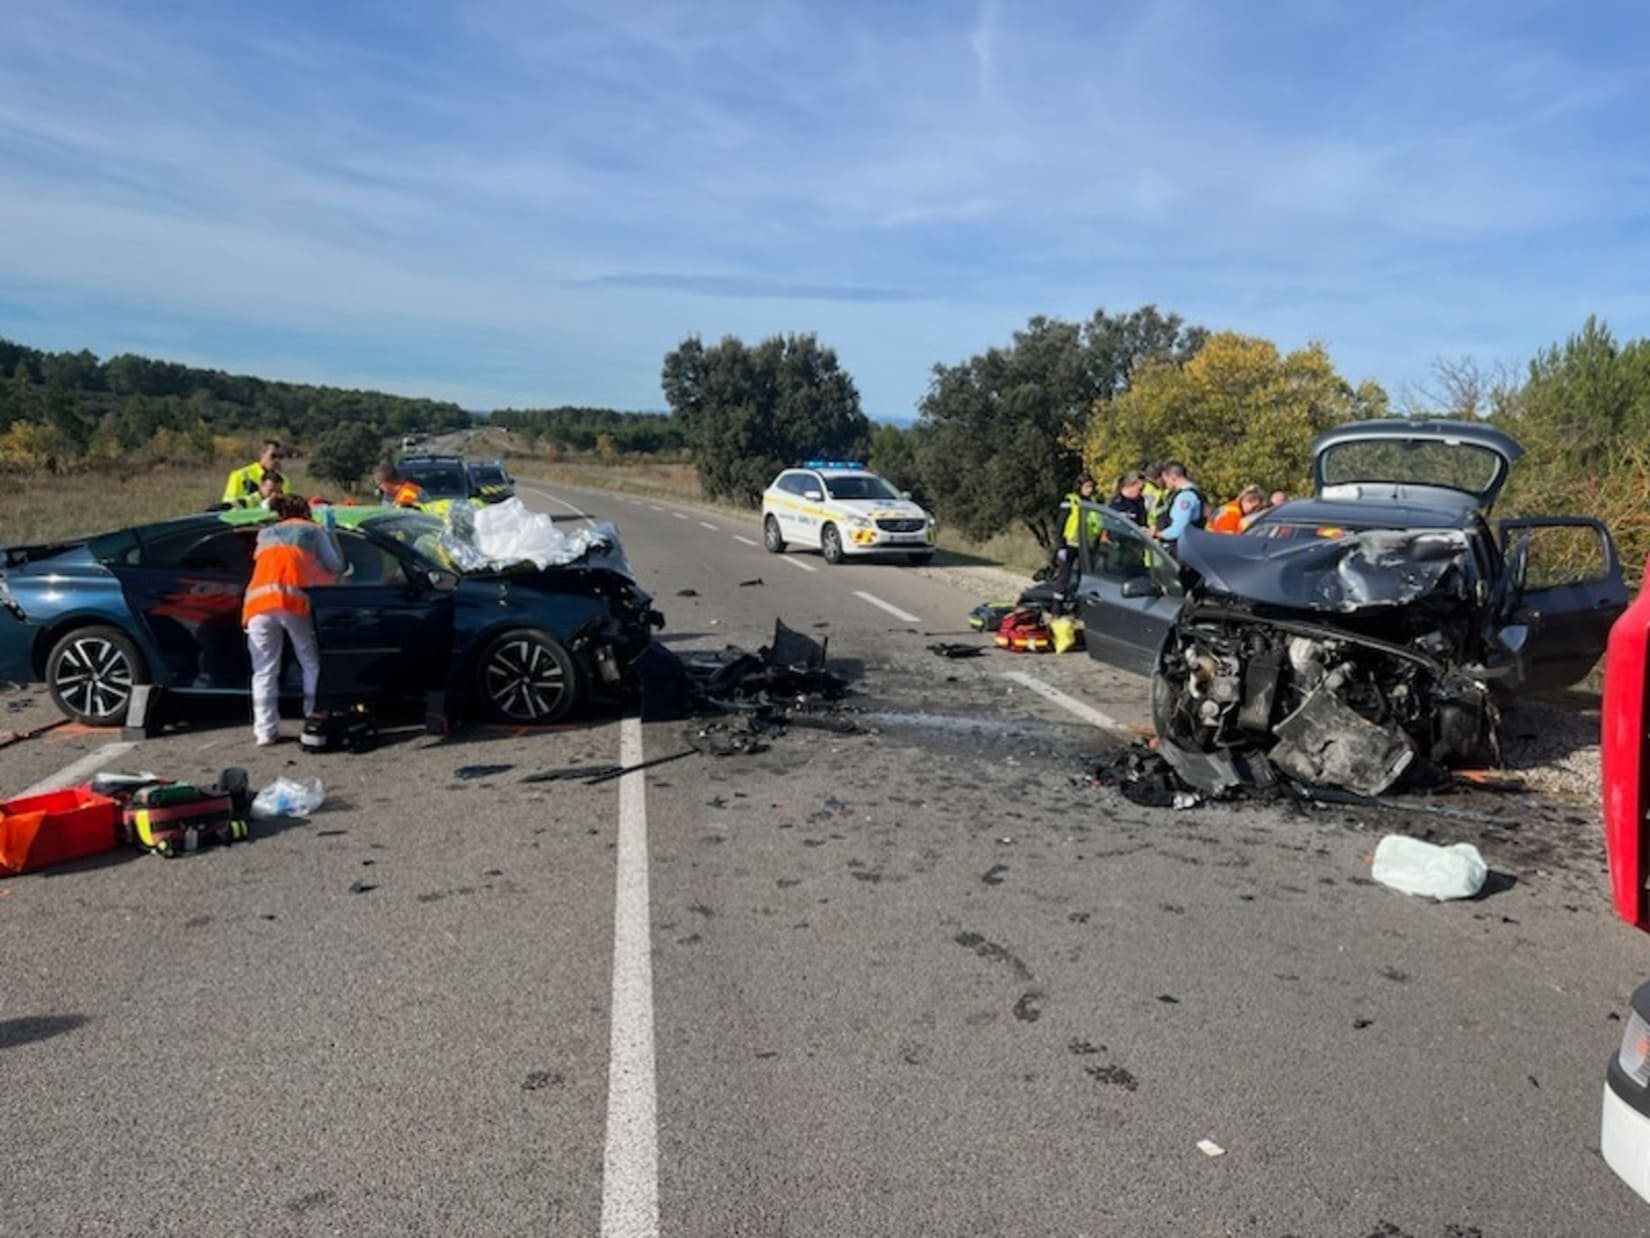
point(859, 522)
point(1634, 1054)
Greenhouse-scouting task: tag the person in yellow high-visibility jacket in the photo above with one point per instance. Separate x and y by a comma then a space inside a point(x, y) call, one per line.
point(245, 485)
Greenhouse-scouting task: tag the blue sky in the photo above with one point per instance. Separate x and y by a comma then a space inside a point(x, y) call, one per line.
point(525, 202)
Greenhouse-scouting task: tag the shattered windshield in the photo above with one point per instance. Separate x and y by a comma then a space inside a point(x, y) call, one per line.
point(1455, 466)
point(861, 486)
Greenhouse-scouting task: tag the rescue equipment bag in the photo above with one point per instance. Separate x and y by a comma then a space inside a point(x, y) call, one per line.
point(174, 818)
point(1025, 630)
point(989, 615)
point(351, 729)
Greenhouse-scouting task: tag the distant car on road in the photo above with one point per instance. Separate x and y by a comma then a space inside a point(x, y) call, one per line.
point(491, 481)
point(161, 604)
point(843, 509)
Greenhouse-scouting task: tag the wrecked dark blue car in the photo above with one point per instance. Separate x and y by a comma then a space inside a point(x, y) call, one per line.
point(160, 604)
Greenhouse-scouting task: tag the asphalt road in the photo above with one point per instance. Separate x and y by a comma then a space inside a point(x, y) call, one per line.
point(920, 981)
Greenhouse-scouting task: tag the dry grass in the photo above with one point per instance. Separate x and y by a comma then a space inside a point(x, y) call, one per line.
point(45, 508)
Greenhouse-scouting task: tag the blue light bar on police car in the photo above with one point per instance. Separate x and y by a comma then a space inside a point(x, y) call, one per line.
point(832, 464)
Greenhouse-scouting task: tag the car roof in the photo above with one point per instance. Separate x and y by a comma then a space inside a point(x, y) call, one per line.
point(1372, 514)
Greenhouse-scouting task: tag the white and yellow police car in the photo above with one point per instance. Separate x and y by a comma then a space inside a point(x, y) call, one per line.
point(842, 508)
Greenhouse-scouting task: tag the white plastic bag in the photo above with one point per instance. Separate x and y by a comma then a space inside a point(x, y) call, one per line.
point(1417, 867)
point(286, 798)
point(509, 533)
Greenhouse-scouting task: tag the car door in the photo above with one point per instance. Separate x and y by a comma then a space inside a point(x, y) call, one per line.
point(1129, 594)
point(807, 491)
point(184, 586)
point(383, 628)
point(1566, 590)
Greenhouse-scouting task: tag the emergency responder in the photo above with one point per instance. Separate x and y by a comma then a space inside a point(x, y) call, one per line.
point(1278, 499)
point(1154, 492)
point(1233, 517)
point(241, 490)
point(392, 490)
point(271, 485)
point(1184, 508)
point(1129, 497)
point(291, 556)
point(1074, 514)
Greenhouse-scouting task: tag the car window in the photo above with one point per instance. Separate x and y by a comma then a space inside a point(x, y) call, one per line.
point(798, 483)
point(1561, 555)
point(439, 481)
point(861, 486)
point(369, 564)
point(220, 551)
point(1112, 546)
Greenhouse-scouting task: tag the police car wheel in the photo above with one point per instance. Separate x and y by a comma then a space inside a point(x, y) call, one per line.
point(772, 538)
point(91, 673)
point(526, 676)
point(830, 543)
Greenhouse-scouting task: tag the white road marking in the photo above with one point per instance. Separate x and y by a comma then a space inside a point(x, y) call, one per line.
point(797, 563)
point(705, 524)
point(1088, 713)
point(563, 503)
point(747, 541)
point(656, 507)
point(630, 1162)
point(893, 610)
point(679, 515)
point(76, 771)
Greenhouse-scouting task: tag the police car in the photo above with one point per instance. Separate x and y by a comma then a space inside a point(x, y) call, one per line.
point(842, 508)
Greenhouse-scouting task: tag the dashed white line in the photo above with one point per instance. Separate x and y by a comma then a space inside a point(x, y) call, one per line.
point(705, 524)
point(747, 541)
point(630, 1161)
point(679, 515)
point(656, 507)
point(76, 771)
point(797, 563)
point(893, 610)
point(1085, 711)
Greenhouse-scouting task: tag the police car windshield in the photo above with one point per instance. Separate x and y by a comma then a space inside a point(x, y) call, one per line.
point(438, 481)
point(487, 474)
point(860, 486)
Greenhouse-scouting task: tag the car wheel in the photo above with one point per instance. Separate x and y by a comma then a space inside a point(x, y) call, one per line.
point(91, 673)
point(772, 538)
point(526, 676)
point(830, 542)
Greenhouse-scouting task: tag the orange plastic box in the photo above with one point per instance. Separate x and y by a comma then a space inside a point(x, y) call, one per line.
point(54, 828)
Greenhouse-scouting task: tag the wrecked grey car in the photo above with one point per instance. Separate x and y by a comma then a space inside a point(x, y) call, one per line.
point(1347, 636)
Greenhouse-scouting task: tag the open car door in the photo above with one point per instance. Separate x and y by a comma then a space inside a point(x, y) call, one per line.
point(1566, 590)
point(384, 629)
point(1130, 593)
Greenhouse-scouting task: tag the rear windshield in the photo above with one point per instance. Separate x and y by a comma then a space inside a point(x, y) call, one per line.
point(438, 480)
point(860, 486)
point(487, 474)
point(1458, 466)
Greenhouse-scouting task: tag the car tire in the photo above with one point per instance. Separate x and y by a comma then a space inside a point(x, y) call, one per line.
point(772, 538)
point(91, 673)
point(527, 677)
point(830, 544)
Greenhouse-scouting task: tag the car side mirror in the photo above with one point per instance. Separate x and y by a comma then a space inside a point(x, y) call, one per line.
point(813, 496)
point(1142, 587)
point(441, 579)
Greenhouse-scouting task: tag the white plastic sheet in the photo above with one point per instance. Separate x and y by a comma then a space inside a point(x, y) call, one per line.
point(287, 798)
point(506, 534)
point(1414, 866)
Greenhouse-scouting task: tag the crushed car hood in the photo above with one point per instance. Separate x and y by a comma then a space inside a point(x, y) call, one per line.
point(1362, 571)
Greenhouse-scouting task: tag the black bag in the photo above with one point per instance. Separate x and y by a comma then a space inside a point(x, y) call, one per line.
point(339, 730)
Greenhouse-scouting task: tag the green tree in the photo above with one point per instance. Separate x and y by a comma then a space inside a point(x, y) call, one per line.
point(894, 456)
point(998, 435)
point(1237, 412)
point(346, 453)
point(750, 410)
point(65, 415)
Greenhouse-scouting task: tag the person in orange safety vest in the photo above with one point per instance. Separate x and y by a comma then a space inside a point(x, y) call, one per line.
point(393, 491)
point(1233, 517)
point(292, 556)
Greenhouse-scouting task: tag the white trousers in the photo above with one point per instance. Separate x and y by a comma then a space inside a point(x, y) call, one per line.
point(265, 636)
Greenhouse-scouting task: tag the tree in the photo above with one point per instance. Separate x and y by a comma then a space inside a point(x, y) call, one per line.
point(998, 435)
point(894, 456)
point(750, 411)
point(346, 453)
point(1237, 412)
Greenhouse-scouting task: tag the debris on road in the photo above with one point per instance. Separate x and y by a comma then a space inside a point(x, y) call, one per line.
point(947, 649)
point(687, 593)
point(468, 773)
point(721, 739)
point(571, 773)
point(989, 616)
point(1210, 1148)
point(755, 583)
point(1413, 866)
